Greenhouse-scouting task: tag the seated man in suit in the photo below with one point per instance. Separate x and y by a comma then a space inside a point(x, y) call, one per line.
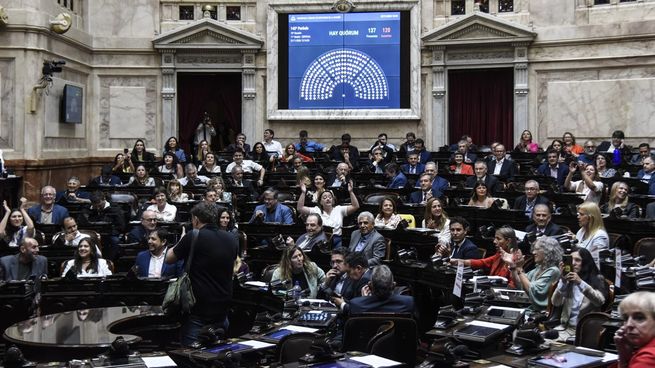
point(501, 166)
point(106, 178)
point(339, 179)
point(460, 247)
point(530, 199)
point(339, 152)
point(150, 263)
point(426, 192)
point(490, 181)
point(439, 184)
point(314, 235)
point(377, 161)
point(541, 226)
point(239, 143)
point(644, 151)
point(553, 168)
point(421, 151)
point(140, 233)
point(647, 174)
point(73, 194)
point(367, 240)
point(616, 143)
point(237, 181)
point(104, 212)
point(337, 276)
point(272, 211)
point(413, 166)
point(192, 178)
point(359, 274)
point(398, 180)
point(47, 212)
point(378, 296)
point(26, 264)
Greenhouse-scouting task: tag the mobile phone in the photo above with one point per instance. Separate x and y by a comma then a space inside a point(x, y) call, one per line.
point(126, 150)
point(568, 263)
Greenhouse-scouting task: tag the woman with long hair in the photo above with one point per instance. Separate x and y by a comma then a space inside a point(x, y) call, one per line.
point(296, 267)
point(209, 165)
point(122, 164)
point(480, 196)
point(459, 166)
point(387, 216)
point(579, 291)
point(505, 242)
point(218, 184)
point(141, 178)
point(290, 153)
point(259, 155)
point(172, 145)
point(558, 145)
point(175, 191)
point(331, 213)
point(525, 143)
point(16, 224)
point(169, 165)
point(140, 155)
point(603, 167)
point(86, 261)
point(619, 203)
point(227, 223)
point(592, 235)
point(547, 256)
point(435, 217)
point(320, 181)
point(570, 147)
point(201, 151)
point(590, 185)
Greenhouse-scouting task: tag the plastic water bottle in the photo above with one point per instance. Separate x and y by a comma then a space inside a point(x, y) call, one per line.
point(295, 292)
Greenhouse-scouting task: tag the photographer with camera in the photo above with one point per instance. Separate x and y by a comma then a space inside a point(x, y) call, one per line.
point(590, 185)
point(204, 131)
point(580, 290)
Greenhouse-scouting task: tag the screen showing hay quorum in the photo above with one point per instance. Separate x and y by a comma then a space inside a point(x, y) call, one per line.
point(345, 61)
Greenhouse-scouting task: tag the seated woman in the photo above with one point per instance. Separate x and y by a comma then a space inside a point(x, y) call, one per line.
point(603, 167)
point(459, 166)
point(580, 291)
point(259, 155)
point(635, 340)
point(590, 185)
point(557, 145)
point(547, 255)
point(122, 164)
point(505, 241)
point(171, 166)
point(164, 211)
point(16, 225)
point(436, 218)
point(226, 223)
point(201, 152)
point(618, 204)
point(290, 154)
point(296, 267)
point(87, 262)
point(331, 214)
point(209, 165)
point(387, 217)
point(141, 178)
point(216, 183)
point(526, 144)
point(480, 197)
point(570, 147)
point(173, 146)
point(175, 192)
point(592, 235)
point(140, 155)
point(319, 187)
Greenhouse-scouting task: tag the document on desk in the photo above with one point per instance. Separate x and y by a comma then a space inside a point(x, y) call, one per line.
point(299, 328)
point(567, 359)
point(256, 345)
point(376, 361)
point(162, 361)
point(256, 283)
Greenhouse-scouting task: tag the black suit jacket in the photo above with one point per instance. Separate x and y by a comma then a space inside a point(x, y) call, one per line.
point(507, 171)
point(248, 188)
point(490, 181)
point(520, 202)
point(468, 250)
point(373, 304)
point(551, 229)
point(562, 172)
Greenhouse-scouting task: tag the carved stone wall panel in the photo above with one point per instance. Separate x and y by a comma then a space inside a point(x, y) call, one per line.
point(7, 103)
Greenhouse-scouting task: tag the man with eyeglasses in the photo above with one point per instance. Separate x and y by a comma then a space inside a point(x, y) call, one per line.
point(589, 154)
point(47, 212)
point(337, 275)
point(530, 199)
point(501, 166)
point(358, 275)
point(553, 168)
point(140, 233)
point(367, 240)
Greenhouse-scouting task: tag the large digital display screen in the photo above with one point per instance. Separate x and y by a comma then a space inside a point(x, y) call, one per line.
point(344, 61)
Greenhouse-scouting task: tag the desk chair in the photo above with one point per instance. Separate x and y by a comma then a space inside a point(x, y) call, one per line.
point(267, 273)
point(376, 198)
point(645, 247)
point(294, 346)
point(366, 332)
point(589, 331)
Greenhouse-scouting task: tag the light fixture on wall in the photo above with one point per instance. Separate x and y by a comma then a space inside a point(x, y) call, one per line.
point(61, 24)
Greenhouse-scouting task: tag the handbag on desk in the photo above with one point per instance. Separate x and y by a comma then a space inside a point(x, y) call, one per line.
point(179, 298)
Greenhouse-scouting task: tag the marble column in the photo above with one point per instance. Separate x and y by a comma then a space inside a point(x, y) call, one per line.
point(248, 93)
point(520, 89)
point(168, 92)
point(439, 126)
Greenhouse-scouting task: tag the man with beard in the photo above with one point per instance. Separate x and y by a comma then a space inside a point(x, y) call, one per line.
point(150, 263)
point(26, 264)
point(140, 233)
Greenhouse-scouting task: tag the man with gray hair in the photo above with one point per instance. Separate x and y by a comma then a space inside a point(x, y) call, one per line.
point(531, 198)
point(378, 296)
point(367, 240)
point(271, 211)
point(47, 212)
point(192, 178)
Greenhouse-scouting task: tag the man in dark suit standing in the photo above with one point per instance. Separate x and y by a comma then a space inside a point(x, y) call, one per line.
point(553, 168)
point(500, 165)
point(378, 296)
point(24, 265)
point(367, 240)
point(531, 198)
point(460, 247)
point(314, 235)
point(490, 181)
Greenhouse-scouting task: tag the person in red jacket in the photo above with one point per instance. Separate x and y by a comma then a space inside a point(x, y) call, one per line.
point(505, 240)
point(635, 340)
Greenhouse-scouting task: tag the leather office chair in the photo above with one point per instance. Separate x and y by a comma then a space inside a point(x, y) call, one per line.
point(589, 331)
point(294, 346)
point(376, 198)
point(645, 247)
point(267, 273)
point(360, 331)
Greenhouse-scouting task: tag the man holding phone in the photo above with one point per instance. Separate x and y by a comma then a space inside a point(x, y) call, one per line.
point(359, 274)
